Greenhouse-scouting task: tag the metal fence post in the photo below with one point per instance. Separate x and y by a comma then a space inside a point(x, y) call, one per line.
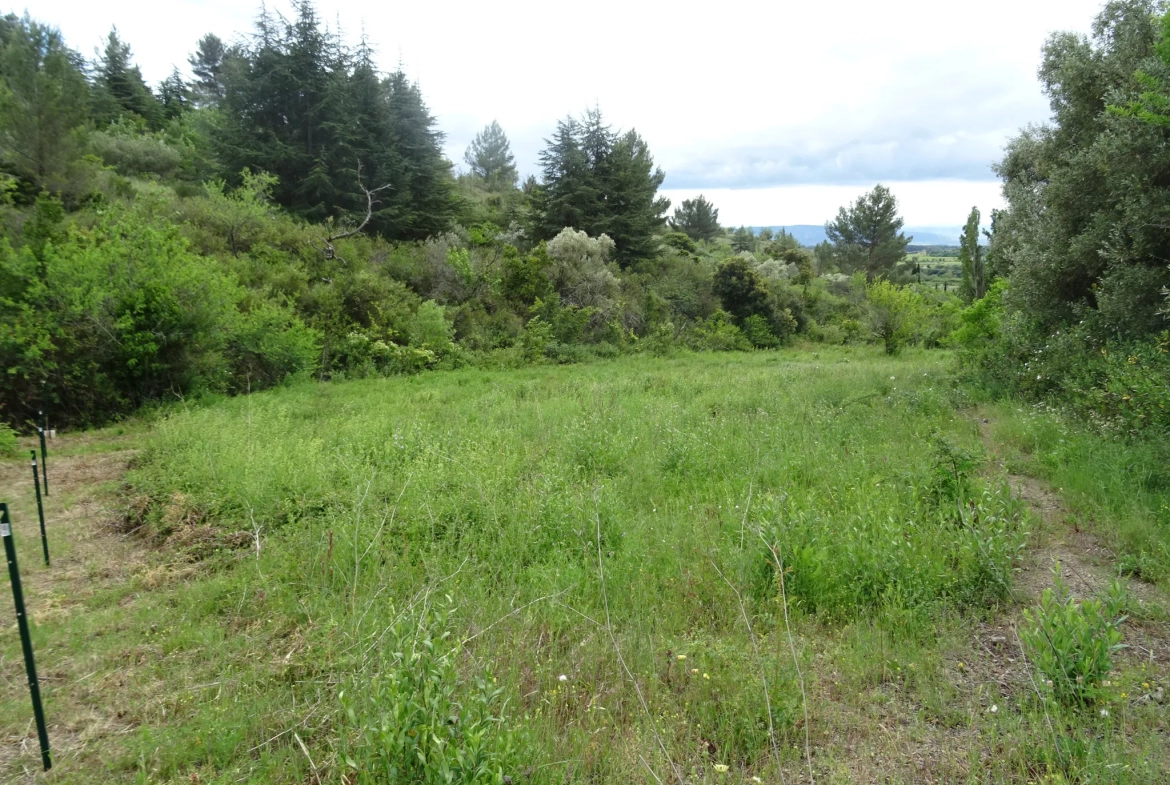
point(44, 452)
point(40, 506)
point(30, 665)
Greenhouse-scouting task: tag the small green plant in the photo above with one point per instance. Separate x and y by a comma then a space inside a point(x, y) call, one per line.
point(413, 719)
point(7, 442)
point(1072, 643)
point(952, 469)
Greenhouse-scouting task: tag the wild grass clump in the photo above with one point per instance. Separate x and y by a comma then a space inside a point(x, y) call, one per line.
point(845, 567)
point(8, 443)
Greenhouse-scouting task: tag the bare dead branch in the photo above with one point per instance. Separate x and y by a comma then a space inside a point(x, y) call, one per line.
point(328, 250)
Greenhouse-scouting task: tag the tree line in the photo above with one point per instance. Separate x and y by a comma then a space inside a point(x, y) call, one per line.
point(331, 237)
point(1071, 293)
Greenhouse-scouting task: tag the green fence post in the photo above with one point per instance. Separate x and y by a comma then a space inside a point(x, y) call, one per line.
point(30, 665)
point(44, 451)
point(40, 507)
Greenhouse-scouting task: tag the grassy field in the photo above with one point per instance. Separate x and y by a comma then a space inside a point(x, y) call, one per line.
point(782, 566)
point(938, 270)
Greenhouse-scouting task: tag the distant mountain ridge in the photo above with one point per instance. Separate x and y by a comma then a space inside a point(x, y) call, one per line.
point(810, 235)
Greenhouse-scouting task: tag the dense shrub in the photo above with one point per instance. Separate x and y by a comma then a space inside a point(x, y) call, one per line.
point(895, 314)
point(125, 313)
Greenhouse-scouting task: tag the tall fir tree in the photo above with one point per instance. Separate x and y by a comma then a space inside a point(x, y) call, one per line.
point(322, 119)
point(207, 66)
point(43, 101)
point(119, 88)
point(421, 201)
point(174, 95)
point(600, 182)
point(284, 106)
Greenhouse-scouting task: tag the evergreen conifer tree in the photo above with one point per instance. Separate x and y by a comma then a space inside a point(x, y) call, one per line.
point(119, 87)
point(43, 100)
point(322, 119)
point(174, 95)
point(490, 158)
point(206, 66)
point(743, 240)
point(600, 182)
point(420, 202)
point(697, 217)
point(867, 235)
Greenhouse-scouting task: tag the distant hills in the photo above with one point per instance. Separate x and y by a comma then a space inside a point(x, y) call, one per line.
point(810, 235)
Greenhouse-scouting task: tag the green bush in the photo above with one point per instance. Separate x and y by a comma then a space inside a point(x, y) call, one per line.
point(758, 333)
point(135, 153)
point(430, 330)
point(717, 334)
point(896, 314)
point(126, 313)
point(271, 344)
point(1072, 642)
point(1125, 386)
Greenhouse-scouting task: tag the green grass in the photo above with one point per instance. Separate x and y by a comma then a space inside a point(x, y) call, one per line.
point(434, 548)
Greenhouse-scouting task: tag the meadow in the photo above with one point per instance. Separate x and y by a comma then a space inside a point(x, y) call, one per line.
point(937, 271)
point(728, 568)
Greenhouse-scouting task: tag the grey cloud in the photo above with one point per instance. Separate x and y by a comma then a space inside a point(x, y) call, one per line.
point(952, 125)
point(787, 163)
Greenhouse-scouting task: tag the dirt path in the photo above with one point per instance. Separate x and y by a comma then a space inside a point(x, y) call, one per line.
point(1087, 567)
point(88, 557)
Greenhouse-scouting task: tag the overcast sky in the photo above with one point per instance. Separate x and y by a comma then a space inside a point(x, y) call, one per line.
point(779, 112)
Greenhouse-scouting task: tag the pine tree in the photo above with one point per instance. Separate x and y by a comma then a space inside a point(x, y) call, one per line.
point(489, 157)
point(698, 218)
point(285, 108)
point(207, 66)
point(421, 201)
point(743, 240)
point(636, 212)
point(174, 95)
point(43, 100)
point(301, 106)
point(568, 196)
point(867, 235)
